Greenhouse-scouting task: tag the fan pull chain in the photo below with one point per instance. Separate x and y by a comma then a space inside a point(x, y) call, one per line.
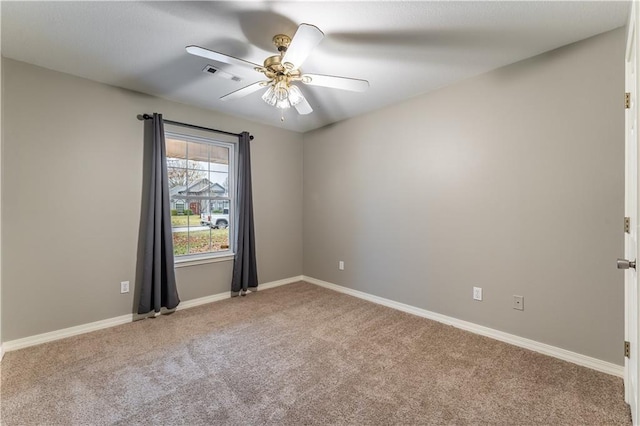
point(282, 115)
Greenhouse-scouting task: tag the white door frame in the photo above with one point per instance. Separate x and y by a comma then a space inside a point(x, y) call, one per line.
point(631, 326)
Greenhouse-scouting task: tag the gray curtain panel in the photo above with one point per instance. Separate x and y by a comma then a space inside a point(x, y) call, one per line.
point(245, 271)
point(158, 288)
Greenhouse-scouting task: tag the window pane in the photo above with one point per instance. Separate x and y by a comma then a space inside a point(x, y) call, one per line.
point(200, 193)
point(220, 239)
point(198, 152)
point(176, 184)
point(176, 149)
point(180, 241)
point(200, 240)
point(219, 173)
point(219, 154)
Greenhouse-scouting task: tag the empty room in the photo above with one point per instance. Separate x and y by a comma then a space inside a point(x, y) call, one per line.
point(319, 213)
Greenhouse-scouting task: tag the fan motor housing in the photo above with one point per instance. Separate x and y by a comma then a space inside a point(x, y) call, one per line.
point(273, 68)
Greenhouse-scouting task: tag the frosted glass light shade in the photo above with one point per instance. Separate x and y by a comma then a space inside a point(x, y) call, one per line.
point(280, 90)
point(269, 96)
point(295, 95)
point(284, 104)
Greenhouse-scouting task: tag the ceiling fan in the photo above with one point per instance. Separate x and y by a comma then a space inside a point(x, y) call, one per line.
point(283, 70)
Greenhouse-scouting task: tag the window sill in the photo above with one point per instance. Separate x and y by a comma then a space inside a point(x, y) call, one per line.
point(193, 261)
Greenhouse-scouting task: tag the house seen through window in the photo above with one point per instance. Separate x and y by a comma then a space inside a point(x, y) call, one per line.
point(200, 173)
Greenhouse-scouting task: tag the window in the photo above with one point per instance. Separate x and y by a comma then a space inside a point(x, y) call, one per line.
point(201, 191)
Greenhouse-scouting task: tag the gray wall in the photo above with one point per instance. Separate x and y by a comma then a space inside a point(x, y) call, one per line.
point(511, 181)
point(71, 196)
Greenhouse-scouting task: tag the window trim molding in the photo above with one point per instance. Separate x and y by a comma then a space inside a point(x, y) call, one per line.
point(192, 260)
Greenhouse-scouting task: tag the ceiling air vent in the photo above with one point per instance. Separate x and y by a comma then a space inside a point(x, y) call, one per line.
point(218, 72)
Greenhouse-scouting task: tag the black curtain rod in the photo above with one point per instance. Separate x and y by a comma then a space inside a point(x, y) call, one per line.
point(191, 126)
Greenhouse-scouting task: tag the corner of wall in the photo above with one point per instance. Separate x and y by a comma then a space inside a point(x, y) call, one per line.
point(1, 149)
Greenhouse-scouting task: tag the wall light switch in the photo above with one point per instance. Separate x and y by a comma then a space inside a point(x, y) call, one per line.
point(124, 287)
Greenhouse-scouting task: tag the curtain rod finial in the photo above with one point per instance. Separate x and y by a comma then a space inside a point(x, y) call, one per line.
point(251, 137)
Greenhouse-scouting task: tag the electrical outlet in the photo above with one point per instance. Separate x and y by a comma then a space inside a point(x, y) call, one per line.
point(341, 265)
point(124, 287)
point(477, 293)
point(518, 302)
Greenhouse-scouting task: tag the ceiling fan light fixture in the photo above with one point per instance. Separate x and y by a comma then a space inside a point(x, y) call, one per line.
point(282, 95)
point(269, 96)
point(283, 104)
point(277, 96)
point(281, 90)
point(295, 95)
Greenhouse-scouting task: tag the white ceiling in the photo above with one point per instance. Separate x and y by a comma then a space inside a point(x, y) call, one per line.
point(402, 48)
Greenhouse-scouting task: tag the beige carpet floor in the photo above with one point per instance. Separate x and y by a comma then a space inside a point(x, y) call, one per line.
point(298, 355)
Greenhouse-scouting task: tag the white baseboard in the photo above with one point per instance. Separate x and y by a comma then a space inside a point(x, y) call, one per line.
point(1, 353)
point(543, 348)
point(25, 342)
point(278, 283)
point(576, 358)
point(183, 305)
point(37, 339)
point(221, 296)
point(203, 300)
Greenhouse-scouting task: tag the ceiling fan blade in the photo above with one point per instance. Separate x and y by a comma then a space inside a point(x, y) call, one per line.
point(220, 57)
point(305, 39)
point(344, 83)
point(244, 91)
point(303, 107)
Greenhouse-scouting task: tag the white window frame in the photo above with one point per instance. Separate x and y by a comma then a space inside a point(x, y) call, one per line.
point(222, 255)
